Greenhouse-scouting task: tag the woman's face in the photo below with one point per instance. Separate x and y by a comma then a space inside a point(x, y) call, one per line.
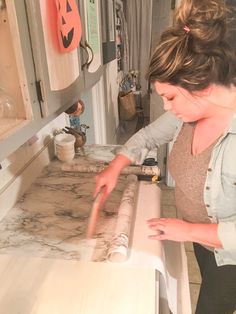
point(187, 106)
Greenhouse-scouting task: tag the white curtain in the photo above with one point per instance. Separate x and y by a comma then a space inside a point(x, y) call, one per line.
point(138, 15)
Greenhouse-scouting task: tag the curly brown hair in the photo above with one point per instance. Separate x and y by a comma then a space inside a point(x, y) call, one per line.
point(195, 51)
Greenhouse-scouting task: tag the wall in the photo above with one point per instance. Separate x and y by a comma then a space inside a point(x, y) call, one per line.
point(88, 117)
point(22, 167)
point(161, 19)
point(101, 107)
point(111, 101)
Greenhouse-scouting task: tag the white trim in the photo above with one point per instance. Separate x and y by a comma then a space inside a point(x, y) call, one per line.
point(98, 101)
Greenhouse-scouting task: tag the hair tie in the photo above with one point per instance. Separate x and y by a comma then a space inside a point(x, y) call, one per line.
point(186, 29)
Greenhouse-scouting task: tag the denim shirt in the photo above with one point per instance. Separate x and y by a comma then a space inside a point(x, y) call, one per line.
point(220, 186)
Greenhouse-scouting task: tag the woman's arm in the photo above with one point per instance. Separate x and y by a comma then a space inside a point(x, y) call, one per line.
point(159, 132)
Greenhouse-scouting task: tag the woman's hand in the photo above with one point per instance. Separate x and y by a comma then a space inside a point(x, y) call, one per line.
point(178, 230)
point(107, 179)
point(169, 229)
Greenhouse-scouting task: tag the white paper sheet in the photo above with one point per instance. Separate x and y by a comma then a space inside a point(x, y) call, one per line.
point(166, 257)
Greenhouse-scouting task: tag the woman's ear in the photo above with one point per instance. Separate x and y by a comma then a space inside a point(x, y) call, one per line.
point(204, 92)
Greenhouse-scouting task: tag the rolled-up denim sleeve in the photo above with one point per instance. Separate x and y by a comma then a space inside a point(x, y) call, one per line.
point(161, 131)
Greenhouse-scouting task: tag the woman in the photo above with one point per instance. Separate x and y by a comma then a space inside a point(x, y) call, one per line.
point(194, 70)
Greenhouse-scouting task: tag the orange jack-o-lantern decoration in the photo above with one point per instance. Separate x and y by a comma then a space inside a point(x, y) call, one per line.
point(68, 25)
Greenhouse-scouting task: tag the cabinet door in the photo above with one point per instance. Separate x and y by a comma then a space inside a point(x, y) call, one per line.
point(19, 106)
point(93, 67)
point(59, 74)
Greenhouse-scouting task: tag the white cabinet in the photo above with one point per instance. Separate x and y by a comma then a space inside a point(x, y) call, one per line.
point(18, 97)
point(37, 80)
point(59, 74)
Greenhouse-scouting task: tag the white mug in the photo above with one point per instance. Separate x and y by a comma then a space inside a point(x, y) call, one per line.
point(64, 146)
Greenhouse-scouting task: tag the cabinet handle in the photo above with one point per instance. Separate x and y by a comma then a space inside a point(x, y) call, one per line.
point(87, 56)
point(88, 46)
point(2, 4)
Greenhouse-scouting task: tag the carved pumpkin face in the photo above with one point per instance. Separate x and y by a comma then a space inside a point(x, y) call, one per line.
point(69, 25)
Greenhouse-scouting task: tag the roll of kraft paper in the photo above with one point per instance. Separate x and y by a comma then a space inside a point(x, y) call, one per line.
point(118, 248)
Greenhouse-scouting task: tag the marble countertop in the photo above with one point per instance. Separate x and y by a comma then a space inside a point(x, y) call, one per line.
point(51, 218)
